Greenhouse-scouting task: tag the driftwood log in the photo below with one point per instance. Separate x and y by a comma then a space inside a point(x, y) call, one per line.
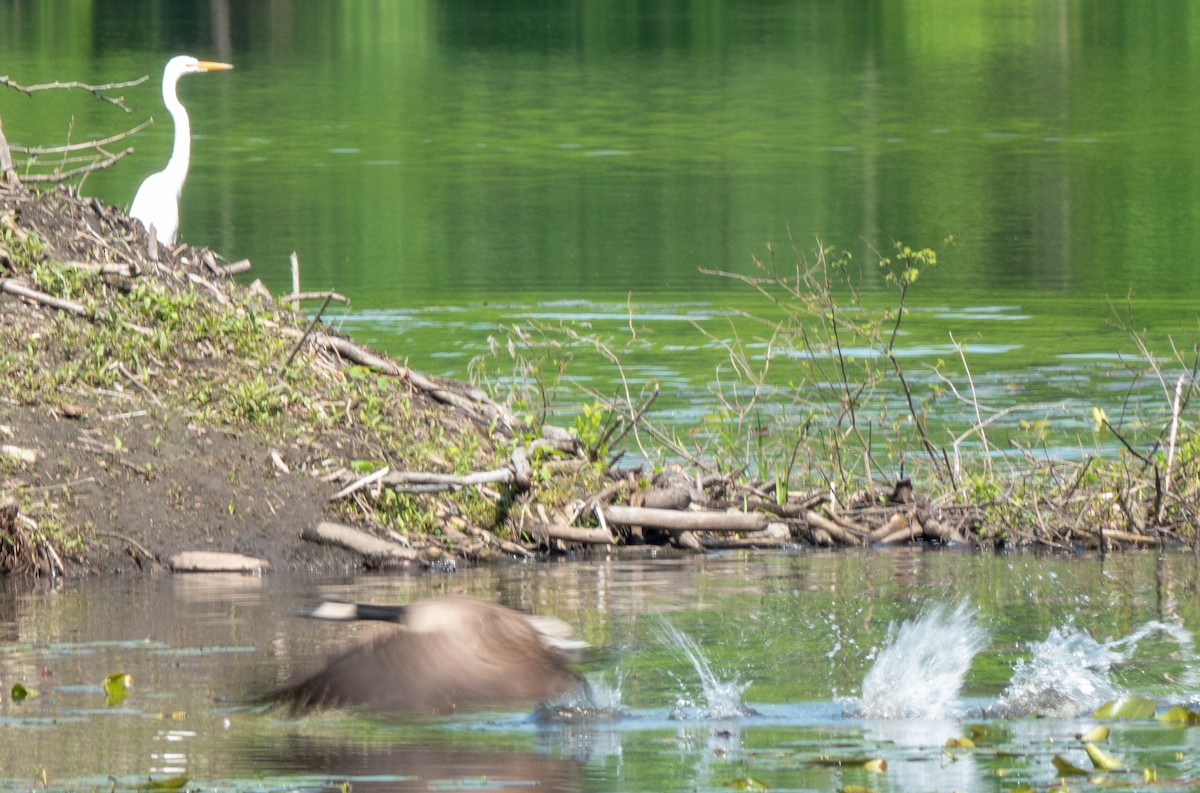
point(359, 541)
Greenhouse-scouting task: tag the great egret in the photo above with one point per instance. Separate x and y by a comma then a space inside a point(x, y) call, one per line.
point(157, 200)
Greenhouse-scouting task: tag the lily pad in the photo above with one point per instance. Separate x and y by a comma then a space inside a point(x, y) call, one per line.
point(1065, 767)
point(116, 687)
point(20, 693)
point(1178, 714)
point(1101, 759)
point(1131, 707)
point(1096, 734)
point(168, 783)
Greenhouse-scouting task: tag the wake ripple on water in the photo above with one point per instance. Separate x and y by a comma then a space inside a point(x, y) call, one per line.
point(920, 673)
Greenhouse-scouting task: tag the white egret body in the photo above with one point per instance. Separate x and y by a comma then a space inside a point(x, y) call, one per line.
point(157, 201)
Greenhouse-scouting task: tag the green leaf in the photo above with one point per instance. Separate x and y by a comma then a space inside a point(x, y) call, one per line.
point(1065, 767)
point(20, 693)
point(1095, 734)
point(169, 783)
point(1101, 759)
point(1131, 707)
point(116, 687)
point(1178, 714)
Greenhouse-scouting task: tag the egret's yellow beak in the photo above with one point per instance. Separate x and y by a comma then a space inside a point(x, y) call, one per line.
point(213, 66)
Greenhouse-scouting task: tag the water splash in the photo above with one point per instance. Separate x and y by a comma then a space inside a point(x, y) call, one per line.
point(719, 699)
point(920, 673)
point(599, 700)
point(1070, 673)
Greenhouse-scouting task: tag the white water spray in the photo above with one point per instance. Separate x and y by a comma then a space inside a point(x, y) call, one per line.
point(1070, 673)
point(722, 699)
point(920, 673)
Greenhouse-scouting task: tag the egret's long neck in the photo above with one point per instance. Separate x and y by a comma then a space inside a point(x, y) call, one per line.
point(177, 166)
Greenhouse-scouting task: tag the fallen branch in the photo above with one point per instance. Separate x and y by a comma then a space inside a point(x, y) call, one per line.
point(557, 531)
point(400, 480)
point(674, 520)
point(15, 288)
point(832, 529)
point(299, 296)
point(215, 562)
point(358, 541)
point(359, 485)
point(62, 176)
point(95, 90)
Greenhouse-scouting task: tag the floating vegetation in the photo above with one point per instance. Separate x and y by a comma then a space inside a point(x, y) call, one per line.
point(116, 688)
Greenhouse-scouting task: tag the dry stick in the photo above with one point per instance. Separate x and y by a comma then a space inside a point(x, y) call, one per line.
point(62, 176)
point(675, 520)
point(127, 541)
point(360, 484)
point(299, 296)
point(91, 144)
point(8, 173)
point(358, 541)
point(93, 89)
point(100, 269)
point(401, 479)
point(1162, 505)
point(312, 324)
point(14, 288)
point(138, 383)
point(979, 423)
point(629, 424)
point(295, 273)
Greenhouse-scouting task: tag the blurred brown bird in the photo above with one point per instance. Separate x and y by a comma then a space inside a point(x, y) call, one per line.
point(436, 656)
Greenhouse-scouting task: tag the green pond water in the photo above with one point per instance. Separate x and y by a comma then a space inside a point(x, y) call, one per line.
point(453, 167)
point(800, 632)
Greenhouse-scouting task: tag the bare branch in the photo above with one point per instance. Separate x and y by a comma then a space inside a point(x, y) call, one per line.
point(62, 176)
point(95, 90)
point(35, 151)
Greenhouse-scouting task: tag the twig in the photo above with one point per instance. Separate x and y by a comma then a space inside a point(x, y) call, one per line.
point(635, 418)
point(312, 324)
point(128, 541)
point(1162, 505)
point(299, 296)
point(95, 90)
point(138, 383)
point(36, 151)
point(62, 176)
point(361, 483)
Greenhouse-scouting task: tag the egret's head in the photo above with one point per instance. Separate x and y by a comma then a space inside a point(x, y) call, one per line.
point(186, 64)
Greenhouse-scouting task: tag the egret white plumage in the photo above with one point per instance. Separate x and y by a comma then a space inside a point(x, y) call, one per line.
point(157, 201)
